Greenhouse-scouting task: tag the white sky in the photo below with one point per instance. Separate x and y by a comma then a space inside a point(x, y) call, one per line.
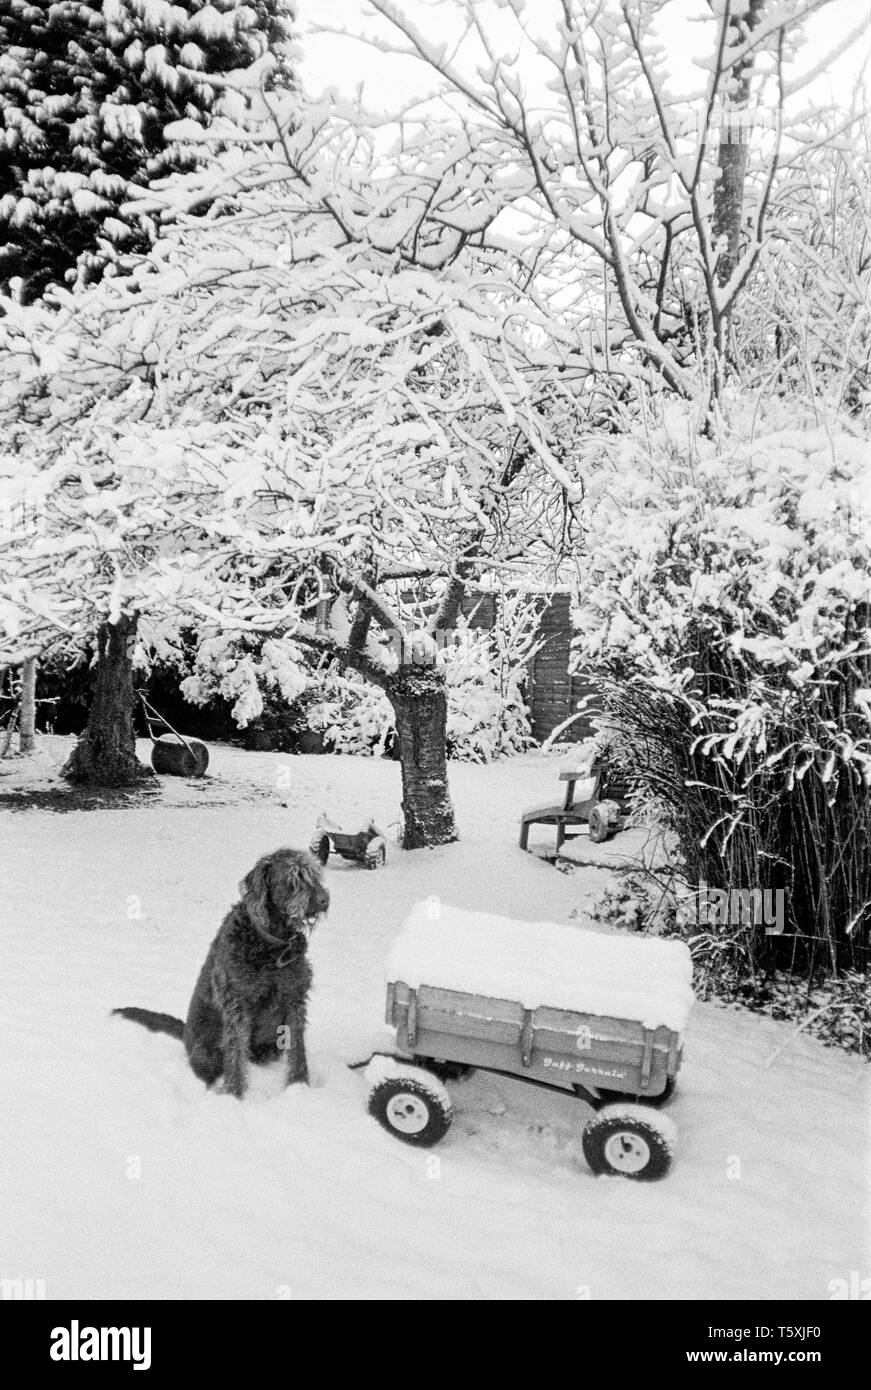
point(389, 82)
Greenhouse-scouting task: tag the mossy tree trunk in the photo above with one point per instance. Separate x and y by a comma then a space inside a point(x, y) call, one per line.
point(105, 755)
point(419, 698)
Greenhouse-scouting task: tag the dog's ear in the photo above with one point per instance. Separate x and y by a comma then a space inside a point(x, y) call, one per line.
point(254, 891)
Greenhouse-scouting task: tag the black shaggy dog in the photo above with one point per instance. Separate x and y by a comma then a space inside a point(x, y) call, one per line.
point(249, 1003)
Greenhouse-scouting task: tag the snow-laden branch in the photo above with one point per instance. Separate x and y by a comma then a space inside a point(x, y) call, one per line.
point(602, 159)
point(265, 400)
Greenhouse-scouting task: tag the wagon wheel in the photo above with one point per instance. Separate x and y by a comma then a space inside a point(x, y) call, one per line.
point(624, 1141)
point(415, 1109)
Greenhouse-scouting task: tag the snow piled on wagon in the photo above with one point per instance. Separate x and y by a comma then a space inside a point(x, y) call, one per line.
point(544, 964)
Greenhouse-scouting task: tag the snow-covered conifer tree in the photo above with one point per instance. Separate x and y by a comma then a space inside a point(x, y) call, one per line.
point(86, 90)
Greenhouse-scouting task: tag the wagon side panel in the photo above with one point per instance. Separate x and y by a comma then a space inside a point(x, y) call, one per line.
point(558, 1047)
point(618, 1054)
point(455, 1026)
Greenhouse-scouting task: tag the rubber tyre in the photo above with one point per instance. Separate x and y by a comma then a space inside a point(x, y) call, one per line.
point(605, 1153)
point(422, 1105)
point(377, 861)
point(322, 852)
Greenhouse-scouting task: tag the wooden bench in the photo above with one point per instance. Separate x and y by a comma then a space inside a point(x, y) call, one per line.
point(570, 813)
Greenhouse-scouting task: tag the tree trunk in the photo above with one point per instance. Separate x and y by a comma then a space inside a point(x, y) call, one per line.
point(420, 704)
point(734, 145)
point(105, 755)
point(729, 193)
point(27, 727)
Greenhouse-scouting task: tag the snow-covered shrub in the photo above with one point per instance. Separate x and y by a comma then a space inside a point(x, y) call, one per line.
point(242, 670)
point(620, 904)
point(484, 721)
point(725, 607)
point(487, 714)
point(843, 1016)
point(354, 716)
point(484, 672)
point(836, 1010)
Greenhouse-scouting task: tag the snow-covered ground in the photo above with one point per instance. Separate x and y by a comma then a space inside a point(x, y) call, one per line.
point(122, 1177)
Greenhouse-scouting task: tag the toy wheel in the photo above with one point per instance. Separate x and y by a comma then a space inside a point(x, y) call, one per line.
point(445, 1071)
point(322, 849)
point(626, 1142)
point(600, 824)
point(415, 1109)
point(377, 860)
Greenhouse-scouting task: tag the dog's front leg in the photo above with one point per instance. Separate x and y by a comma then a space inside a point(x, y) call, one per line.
point(236, 1034)
point(236, 1045)
point(297, 1066)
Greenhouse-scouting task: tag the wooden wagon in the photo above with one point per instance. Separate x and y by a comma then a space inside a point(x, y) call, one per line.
point(596, 1058)
point(623, 1068)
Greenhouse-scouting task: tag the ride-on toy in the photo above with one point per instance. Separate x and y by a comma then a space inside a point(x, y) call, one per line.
point(599, 1016)
point(367, 846)
point(593, 796)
